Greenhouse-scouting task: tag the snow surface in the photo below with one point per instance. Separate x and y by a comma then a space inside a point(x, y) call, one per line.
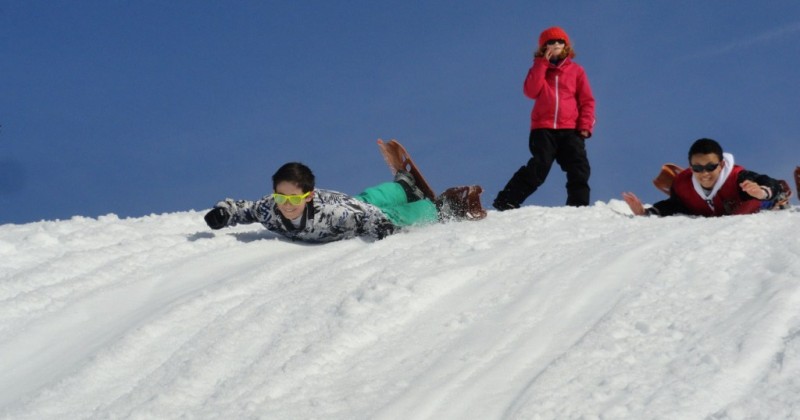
point(538, 313)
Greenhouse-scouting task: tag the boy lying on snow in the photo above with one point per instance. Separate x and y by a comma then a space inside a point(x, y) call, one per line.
point(298, 211)
point(714, 186)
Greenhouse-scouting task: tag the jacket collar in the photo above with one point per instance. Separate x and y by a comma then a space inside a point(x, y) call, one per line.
point(560, 64)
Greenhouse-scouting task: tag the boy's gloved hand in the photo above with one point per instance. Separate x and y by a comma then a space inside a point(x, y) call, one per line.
point(217, 218)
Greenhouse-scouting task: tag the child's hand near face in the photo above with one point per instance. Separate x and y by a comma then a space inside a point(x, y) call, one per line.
point(553, 51)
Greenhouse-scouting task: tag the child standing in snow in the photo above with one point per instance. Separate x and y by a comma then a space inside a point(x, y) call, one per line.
point(561, 120)
point(298, 210)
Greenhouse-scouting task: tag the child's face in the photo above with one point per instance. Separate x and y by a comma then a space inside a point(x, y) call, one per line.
point(705, 177)
point(287, 209)
point(555, 47)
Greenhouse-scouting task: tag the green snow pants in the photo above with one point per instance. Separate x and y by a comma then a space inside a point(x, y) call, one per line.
point(391, 198)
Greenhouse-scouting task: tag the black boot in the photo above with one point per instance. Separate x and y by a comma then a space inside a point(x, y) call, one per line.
point(502, 204)
point(406, 180)
point(521, 185)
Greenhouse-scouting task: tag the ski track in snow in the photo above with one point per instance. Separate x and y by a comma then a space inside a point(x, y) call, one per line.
point(538, 313)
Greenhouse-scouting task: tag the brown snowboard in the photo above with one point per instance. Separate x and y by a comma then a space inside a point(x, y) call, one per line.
point(664, 179)
point(457, 202)
point(398, 159)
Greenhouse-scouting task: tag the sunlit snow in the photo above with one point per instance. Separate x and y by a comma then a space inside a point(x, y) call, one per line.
point(537, 313)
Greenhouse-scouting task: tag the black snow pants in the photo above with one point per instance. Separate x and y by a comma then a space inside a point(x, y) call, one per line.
point(567, 148)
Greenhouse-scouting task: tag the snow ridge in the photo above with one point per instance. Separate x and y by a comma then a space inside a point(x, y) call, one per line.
point(534, 313)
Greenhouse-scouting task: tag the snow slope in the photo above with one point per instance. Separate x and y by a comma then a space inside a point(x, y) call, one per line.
point(538, 313)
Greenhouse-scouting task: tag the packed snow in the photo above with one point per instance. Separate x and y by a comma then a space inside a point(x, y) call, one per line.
point(537, 313)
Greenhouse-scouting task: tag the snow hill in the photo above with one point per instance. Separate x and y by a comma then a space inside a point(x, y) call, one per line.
point(538, 313)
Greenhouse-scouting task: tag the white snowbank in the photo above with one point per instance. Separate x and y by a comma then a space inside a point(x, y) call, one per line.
point(537, 313)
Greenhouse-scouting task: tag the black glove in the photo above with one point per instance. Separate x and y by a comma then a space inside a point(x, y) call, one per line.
point(217, 218)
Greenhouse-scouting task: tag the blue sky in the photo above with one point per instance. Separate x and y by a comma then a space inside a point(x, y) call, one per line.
point(140, 107)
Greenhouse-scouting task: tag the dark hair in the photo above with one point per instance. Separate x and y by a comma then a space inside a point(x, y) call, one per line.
point(296, 173)
point(705, 146)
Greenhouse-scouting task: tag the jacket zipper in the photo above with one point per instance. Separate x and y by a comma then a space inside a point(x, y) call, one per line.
point(555, 117)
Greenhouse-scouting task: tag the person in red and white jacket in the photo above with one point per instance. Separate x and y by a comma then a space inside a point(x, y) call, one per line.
point(561, 120)
point(713, 185)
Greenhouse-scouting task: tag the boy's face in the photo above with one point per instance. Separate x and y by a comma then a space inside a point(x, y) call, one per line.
point(287, 209)
point(701, 163)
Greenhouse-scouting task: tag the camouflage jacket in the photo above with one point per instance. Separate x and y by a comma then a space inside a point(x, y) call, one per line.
point(330, 216)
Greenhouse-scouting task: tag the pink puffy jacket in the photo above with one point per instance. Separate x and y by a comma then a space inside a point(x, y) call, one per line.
point(562, 94)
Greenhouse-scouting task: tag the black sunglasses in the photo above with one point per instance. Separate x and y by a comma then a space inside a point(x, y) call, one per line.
point(556, 41)
point(708, 167)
